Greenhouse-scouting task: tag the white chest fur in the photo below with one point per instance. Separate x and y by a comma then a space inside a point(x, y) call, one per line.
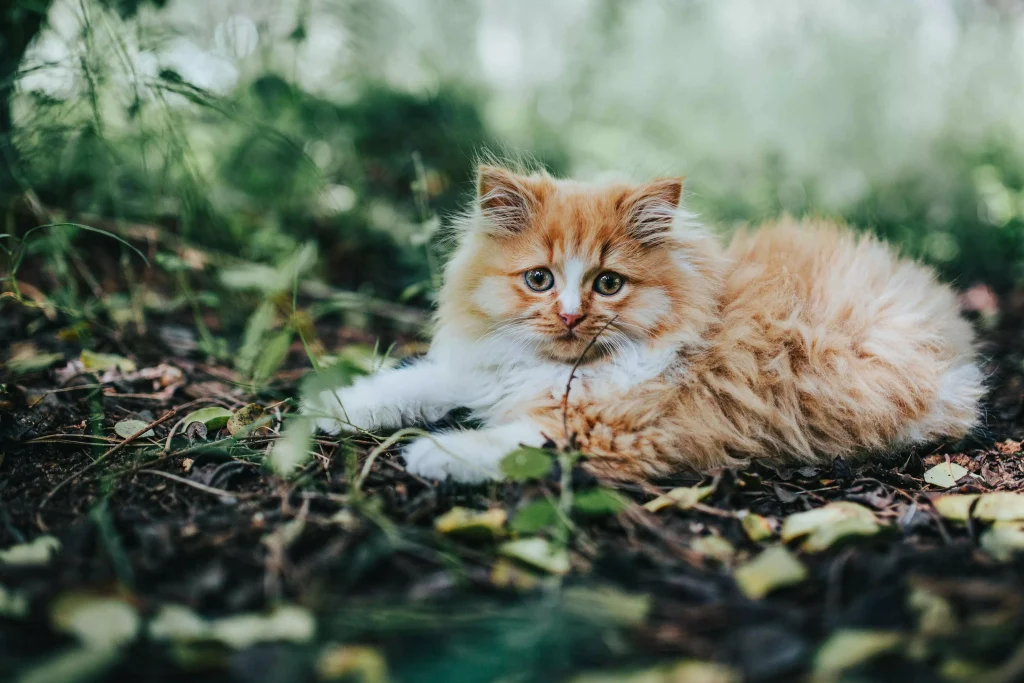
point(503, 382)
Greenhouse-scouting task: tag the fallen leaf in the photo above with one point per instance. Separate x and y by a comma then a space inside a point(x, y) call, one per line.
point(37, 551)
point(607, 605)
point(825, 525)
point(1000, 506)
point(97, 621)
point(352, 662)
point(687, 671)
point(286, 623)
point(776, 567)
point(714, 547)
point(684, 498)
point(126, 428)
point(508, 574)
point(848, 648)
point(25, 358)
point(463, 522)
point(251, 417)
point(537, 552)
point(101, 362)
point(1003, 540)
point(955, 506)
point(1009, 447)
point(756, 527)
point(945, 474)
point(213, 417)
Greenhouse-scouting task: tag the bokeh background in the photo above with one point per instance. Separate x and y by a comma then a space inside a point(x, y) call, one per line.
point(253, 144)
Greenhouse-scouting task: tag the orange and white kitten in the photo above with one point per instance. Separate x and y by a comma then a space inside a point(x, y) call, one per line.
point(799, 342)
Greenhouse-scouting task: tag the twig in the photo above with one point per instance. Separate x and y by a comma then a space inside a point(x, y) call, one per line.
point(572, 376)
point(223, 493)
point(111, 451)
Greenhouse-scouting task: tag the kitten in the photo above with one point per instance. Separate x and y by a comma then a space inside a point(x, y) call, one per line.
point(799, 342)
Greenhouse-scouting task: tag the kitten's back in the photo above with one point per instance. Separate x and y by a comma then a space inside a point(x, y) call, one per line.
point(849, 346)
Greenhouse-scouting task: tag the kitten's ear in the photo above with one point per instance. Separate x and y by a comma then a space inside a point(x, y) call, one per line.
point(506, 200)
point(651, 208)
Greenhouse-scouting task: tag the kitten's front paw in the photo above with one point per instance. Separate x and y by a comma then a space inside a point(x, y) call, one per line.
point(346, 410)
point(440, 456)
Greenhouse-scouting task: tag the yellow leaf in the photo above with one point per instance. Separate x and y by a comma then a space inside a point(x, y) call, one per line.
point(945, 474)
point(538, 553)
point(955, 506)
point(849, 647)
point(460, 520)
point(756, 527)
point(774, 568)
point(684, 497)
point(825, 525)
point(1003, 540)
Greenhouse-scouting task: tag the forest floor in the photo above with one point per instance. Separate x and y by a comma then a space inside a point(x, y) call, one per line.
point(157, 550)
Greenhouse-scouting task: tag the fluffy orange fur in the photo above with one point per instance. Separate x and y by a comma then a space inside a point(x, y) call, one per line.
point(801, 341)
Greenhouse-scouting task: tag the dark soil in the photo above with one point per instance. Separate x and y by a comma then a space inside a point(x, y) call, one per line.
point(219, 533)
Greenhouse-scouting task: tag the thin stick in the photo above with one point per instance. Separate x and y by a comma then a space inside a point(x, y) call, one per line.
point(223, 493)
point(111, 451)
point(572, 375)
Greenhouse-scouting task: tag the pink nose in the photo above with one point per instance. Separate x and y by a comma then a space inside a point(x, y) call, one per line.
point(571, 320)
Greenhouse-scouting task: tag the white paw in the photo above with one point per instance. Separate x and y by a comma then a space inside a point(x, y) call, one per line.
point(440, 456)
point(346, 410)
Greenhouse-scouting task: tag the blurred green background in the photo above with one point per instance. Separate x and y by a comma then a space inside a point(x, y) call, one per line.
point(245, 146)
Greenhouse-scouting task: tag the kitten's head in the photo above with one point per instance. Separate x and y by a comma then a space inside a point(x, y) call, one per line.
point(550, 263)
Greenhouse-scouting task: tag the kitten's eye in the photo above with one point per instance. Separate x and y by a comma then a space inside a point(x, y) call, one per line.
point(608, 283)
point(539, 279)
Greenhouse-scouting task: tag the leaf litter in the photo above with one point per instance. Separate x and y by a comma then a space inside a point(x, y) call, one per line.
point(249, 540)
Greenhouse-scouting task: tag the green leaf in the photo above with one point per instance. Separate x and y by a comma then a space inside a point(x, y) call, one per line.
point(535, 516)
point(126, 428)
point(527, 463)
point(537, 552)
point(256, 329)
point(599, 502)
point(213, 417)
point(272, 356)
point(774, 568)
point(292, 450)
point(101, 362)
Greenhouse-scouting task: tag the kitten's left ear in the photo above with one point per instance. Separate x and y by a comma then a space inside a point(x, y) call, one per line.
point(650, 210)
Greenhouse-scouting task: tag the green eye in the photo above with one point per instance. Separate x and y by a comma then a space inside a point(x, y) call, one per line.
point(608, 283)
point(539, 279)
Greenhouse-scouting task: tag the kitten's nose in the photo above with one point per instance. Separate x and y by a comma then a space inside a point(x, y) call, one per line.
point(571, 320)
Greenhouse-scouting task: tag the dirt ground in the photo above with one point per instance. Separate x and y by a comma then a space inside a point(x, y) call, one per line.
point(326, 580)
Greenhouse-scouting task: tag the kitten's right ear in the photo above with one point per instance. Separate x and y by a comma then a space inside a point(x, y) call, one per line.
point(505, 200)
